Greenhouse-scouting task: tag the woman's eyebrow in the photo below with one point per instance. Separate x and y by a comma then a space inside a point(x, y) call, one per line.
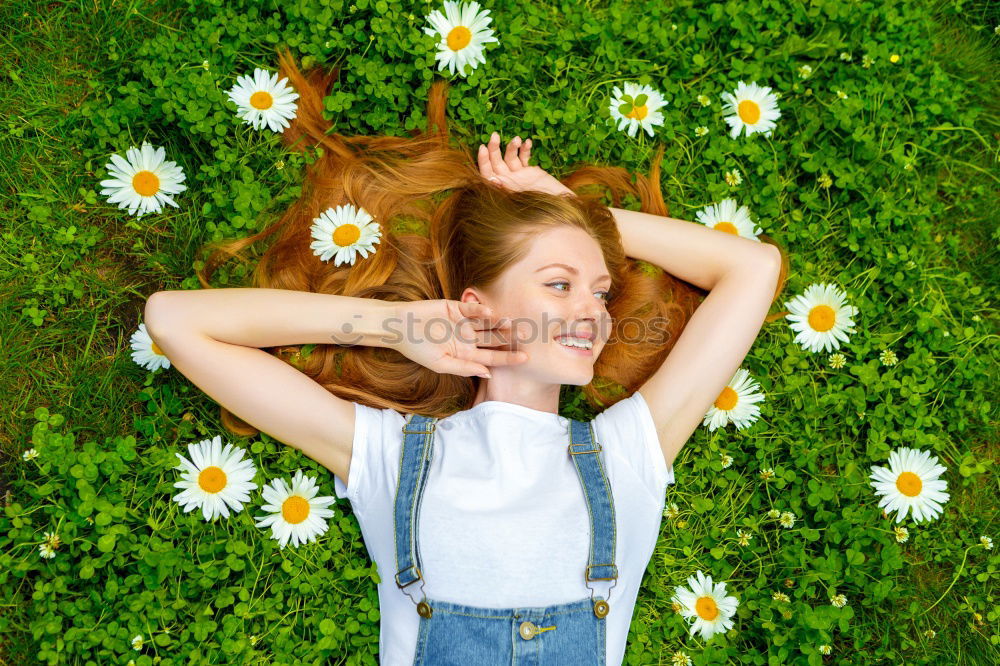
point(571, 270)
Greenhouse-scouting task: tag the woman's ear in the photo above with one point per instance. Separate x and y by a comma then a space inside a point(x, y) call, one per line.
point(470, 295)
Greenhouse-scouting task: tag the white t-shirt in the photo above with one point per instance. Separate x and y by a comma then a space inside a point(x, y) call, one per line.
point(503, 521)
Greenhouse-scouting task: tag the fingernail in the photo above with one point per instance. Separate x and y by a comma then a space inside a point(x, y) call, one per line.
point(486, 376)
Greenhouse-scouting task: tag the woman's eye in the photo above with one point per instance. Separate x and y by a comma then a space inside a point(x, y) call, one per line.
point(606, 296)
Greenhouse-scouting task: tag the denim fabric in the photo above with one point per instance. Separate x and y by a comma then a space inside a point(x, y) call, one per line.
point(568, 633)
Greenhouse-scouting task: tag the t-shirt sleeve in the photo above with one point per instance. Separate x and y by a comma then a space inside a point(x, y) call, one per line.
point(629, 432)
point(367, 437)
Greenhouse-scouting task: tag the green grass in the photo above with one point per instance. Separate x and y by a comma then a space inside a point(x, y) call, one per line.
point(92, 285)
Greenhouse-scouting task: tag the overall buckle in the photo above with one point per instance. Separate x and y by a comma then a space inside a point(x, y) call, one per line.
point(432, 424)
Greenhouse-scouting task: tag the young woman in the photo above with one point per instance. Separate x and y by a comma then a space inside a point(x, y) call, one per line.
point(502, 531)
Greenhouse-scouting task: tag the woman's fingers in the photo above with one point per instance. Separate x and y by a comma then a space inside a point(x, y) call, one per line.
point(525, 153)
point(492, 358)
point(499, 336)
point(483, 158)
point(510, 157)
point(500, 167)
point(493, 162)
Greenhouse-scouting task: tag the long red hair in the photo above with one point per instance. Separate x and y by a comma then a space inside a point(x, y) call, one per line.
point(445, 228)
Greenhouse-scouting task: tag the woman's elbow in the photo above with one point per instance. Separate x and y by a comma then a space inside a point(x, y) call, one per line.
point(160, 314)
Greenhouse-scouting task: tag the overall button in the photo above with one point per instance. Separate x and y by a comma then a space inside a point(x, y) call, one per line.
point(528, 630)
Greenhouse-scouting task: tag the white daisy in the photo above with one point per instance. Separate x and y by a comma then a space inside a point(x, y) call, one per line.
point(297, 514)
point(726, 216)
point(463, 34)
point(752, 107)
point(144, 181)
point(706, 605)
point(639, 106)
point(911, 482)
point(262, 99)
point(145, 352)
point(217, 477)
point(343, 232)
point(821, 318)
point(736, 403)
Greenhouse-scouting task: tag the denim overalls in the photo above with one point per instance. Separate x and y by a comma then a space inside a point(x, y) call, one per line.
point(569, 633)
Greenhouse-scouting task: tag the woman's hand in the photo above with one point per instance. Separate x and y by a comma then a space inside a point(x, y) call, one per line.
point(453, 337)
point(511, 171)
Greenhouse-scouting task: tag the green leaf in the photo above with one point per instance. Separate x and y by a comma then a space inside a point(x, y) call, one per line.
point(106, 543)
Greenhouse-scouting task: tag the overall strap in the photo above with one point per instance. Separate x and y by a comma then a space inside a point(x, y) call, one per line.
point(584, 450)
point(414, 463)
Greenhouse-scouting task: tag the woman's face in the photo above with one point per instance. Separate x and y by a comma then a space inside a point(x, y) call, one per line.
point(545, 302)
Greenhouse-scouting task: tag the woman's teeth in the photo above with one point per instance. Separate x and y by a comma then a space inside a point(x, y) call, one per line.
point(576, 342)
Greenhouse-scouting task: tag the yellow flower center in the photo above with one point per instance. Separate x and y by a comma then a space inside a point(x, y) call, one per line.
point(638, 112)
point(706, 608)
point(157, 350)
point(909, 484)
point(459, 38)
point(821, 318)
point(749, 111)
point(728, 227)
point(146, 183)
point(212, 479)
point(727, 399)
point(295, 509)
point(346, 234)
point(261, 100)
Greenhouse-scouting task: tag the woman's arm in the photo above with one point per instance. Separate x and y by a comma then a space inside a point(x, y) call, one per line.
point(211, 337)
point(688, 250)
point(741, 276)
point(271, 317)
